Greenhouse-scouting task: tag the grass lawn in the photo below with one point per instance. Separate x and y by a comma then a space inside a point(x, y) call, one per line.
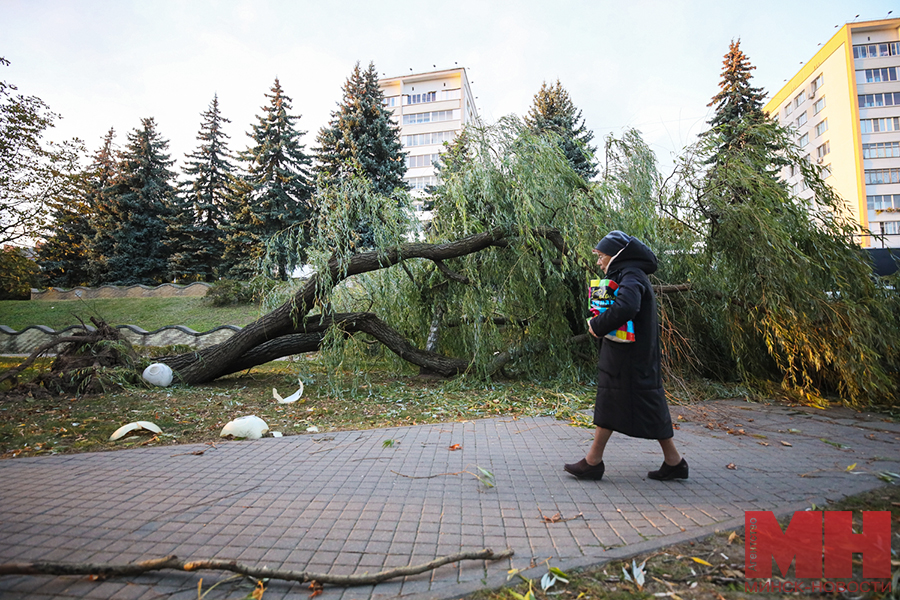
point(364, 396)
point(148, 313)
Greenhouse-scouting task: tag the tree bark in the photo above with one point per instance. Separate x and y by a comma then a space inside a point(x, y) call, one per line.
point(212, 362)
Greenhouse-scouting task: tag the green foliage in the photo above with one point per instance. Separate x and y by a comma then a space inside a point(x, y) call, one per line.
point(273, 196)
point(18, 274)
point(193, 231)
point(32, 171)
point(361, 140)
point(231, 292)
point(63, 257)
point(781, 290)
point(553, 113)
point(140, 200)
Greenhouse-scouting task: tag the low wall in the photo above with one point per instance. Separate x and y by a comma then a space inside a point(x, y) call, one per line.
point(30, 338)
point(166, 290)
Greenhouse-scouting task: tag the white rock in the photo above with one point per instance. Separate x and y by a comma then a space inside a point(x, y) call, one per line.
point(121, 431)
point(250, 427)
point(158, 374)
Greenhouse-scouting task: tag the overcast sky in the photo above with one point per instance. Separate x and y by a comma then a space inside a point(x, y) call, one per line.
point(651, 65)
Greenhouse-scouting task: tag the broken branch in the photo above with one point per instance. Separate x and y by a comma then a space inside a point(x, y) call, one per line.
point(173, 562)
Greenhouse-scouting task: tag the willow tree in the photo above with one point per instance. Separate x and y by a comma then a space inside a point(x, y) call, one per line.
point(509, 225)
point(782, 291)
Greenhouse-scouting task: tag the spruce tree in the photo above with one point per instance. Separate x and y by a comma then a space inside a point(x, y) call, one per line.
point(140, 201)
point(99, 177)
point(361, 140)
point(554, 112)
point(194, 236)
point(272, 202)
point(63, 257)
point(737, 100)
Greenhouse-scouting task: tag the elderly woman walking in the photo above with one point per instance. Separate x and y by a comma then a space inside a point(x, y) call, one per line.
point(630, 395)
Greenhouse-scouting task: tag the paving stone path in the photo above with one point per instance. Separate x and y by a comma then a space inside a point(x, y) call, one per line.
point(345, 503)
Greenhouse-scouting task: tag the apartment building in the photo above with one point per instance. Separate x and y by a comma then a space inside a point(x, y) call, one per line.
point(844, 106)
point(430, 108)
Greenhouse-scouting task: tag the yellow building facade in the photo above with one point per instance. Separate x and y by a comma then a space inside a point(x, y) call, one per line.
point(844, 107)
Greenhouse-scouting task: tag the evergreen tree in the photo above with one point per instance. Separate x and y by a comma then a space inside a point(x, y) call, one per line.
point(553, 112)
point(140, 201)
point(737, 100)
point(194, 236)
point(63, 257)
point(361, 140)
point(272, 202)
point(99, 177)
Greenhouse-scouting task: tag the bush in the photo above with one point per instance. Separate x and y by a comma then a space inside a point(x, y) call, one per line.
point(228, 292)
point(18, 274)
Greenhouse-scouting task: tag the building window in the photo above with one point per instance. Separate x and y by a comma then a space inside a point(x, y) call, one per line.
point(801, 120)
point(878, 176)
point(882, 150)
point(804, 140)
point(823, 150)
point(420, 183)
point(420, 98)
point(424, 139)
point(819, 105)
point(826, 171)
point(877, 75)
point(421, 160)
point(449, 94)
point(391, 101)
point(798, 99)
point(822, 127)
point(891, 227)
point(431, 117)
point(883, 202)
point(788, 109)
point(879, 125)
point(817, 83)
point(875, 50)
point(875, 100)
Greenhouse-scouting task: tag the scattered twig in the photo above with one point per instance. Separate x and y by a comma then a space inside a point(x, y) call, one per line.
point(173, 562)
point(558, 518)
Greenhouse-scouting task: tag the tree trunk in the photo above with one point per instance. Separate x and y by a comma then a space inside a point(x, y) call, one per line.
point(212, 362)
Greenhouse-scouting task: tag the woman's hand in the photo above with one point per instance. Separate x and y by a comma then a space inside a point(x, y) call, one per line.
point(591, 329)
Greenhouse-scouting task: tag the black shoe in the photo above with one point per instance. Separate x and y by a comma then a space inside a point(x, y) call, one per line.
point(668, 473)
point(583, 470)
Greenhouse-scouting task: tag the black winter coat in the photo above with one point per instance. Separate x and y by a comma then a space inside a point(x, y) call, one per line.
point(630, 395)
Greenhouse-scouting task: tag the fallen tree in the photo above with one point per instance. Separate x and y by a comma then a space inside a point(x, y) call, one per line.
point(290, 330)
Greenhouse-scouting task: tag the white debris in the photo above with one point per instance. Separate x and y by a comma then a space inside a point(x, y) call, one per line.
point(292, 398)
point(158, 374)
point(124, 429)
point(312, 429)
point(250, 427)
point(276, 434)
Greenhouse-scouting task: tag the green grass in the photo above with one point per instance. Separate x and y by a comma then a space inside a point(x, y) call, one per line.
point(147, 313)
point(362, 395)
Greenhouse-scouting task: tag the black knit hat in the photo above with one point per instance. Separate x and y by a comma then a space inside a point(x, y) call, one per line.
point(613, 242)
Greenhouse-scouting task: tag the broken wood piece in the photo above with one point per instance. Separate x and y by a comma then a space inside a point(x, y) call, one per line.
point(173, 562)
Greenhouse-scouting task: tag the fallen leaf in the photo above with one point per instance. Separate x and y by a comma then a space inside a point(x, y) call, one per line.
point(763, 443)
point(731, 466)
point(701, 561)
point(851, 467)
point(733, 536)
point(455, 447)
point(783, 443)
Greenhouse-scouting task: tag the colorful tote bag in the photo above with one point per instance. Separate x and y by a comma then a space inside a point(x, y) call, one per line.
point(602, 294)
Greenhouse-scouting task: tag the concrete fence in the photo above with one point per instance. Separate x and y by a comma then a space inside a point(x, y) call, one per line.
point(166, 290)
point(30, 338)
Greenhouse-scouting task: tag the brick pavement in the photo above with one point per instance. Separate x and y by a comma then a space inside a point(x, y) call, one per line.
point(343, 503)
